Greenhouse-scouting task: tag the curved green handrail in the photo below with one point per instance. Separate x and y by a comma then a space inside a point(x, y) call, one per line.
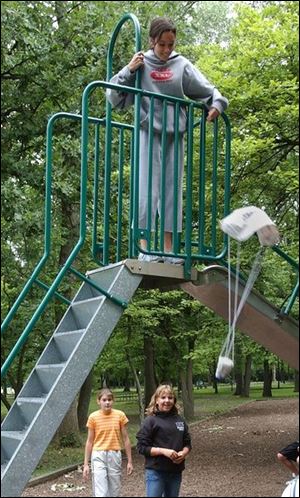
point(108, 129)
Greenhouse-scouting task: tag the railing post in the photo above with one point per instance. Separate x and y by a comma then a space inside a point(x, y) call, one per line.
point(108, 137)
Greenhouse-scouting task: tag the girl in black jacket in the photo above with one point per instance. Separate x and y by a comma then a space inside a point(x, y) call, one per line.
point(165, 441)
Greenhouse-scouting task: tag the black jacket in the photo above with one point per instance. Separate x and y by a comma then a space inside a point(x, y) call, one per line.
point(163, 430)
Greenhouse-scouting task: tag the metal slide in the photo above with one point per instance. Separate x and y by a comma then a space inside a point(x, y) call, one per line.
point(259, 319)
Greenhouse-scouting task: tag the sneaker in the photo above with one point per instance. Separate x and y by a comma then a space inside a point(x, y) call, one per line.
point(173, 261)
point(150, 258)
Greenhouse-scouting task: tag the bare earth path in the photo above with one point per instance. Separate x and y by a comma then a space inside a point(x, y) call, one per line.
point(233, 455)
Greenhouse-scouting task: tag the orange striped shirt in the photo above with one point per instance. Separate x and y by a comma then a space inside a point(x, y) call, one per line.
point(107, 427)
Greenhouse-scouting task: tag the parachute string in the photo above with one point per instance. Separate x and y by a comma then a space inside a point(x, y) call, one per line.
point(242, 224)
point(236, 293)
point(229, 292)
point(256, 267)
point(228, 346)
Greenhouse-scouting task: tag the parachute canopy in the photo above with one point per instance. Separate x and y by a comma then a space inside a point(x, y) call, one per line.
point(242, 223)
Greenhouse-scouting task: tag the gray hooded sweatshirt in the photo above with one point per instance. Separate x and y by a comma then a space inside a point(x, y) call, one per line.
point(176, 77)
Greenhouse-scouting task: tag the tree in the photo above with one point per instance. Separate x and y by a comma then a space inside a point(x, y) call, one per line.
point(49, 52)
point(268, 376)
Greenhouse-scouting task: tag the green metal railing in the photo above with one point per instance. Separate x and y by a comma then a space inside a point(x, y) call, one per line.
point(116, 234)
point(196, 128)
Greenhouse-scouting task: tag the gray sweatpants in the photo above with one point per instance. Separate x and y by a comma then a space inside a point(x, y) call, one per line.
point(156, 180)
point(106, 473)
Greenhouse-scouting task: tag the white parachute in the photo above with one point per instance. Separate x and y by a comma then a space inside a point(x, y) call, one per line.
point(241, 224)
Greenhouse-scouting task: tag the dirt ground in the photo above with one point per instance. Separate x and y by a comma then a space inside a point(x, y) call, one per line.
point(233, 455)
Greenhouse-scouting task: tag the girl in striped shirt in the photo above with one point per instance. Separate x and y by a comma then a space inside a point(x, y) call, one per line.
point(107, 433)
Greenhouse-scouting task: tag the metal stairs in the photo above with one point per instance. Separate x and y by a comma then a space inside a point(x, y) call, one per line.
point(59, 373)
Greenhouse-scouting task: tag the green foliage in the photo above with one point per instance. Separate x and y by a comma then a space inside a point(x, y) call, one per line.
point(70, 440)
point(49, 52)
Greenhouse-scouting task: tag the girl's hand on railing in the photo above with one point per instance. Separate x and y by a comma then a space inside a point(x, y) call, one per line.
point(212, 114)
point(136, 62)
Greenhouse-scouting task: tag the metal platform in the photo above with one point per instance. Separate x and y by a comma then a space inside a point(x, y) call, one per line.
point(161, 276)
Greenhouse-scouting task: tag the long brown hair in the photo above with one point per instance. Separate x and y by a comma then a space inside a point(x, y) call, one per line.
point(152, 407)
point(158, 26)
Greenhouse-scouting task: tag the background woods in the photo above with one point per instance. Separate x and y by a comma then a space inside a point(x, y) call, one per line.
point(49, 52)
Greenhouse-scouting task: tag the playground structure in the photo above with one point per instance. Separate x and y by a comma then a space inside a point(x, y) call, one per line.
point(104, 293)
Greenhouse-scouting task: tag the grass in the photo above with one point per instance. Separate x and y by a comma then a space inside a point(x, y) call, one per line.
point(207, 404)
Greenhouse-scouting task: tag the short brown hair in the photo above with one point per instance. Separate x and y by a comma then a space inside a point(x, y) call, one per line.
point(159, 25)
point(105, 392)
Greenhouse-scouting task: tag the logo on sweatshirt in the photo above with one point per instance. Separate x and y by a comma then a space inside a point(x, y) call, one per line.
point(180, 426)
point(161, 74)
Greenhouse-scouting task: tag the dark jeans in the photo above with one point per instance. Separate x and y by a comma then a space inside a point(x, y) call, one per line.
point(159, 483)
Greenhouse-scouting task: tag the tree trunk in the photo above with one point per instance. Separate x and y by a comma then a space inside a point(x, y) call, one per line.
point(296, 380)
point(134, 372)
point(126, 382)
point(212, 370)
point(149, 382)
point(247, 376)
point(189, 381)
point(238, 383)
point(138, 388)
point(186, 381)
point(68, 432)
point(238, 369)
point(5, 402)
point(17, 381)
point(84, 401)
point(187, 392)
point(70, 219)
point(268, 375)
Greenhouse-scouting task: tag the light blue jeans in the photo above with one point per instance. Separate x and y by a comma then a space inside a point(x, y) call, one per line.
point(159, 483)
point(106, 472)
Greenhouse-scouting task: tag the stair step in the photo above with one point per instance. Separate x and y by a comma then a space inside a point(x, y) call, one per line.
point(86, 291)
point(41, 381)
point(68, 332)
point(19, 435)
point(21, 415)
point(60, 348)
point(9, 444)
point(87, 301)
point(50, 365)
point(79, 314)
point(28, 399)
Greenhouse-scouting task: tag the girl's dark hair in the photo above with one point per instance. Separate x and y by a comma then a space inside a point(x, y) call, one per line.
point(159, 25)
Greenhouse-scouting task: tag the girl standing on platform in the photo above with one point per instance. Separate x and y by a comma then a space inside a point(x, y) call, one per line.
point(163, 71)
